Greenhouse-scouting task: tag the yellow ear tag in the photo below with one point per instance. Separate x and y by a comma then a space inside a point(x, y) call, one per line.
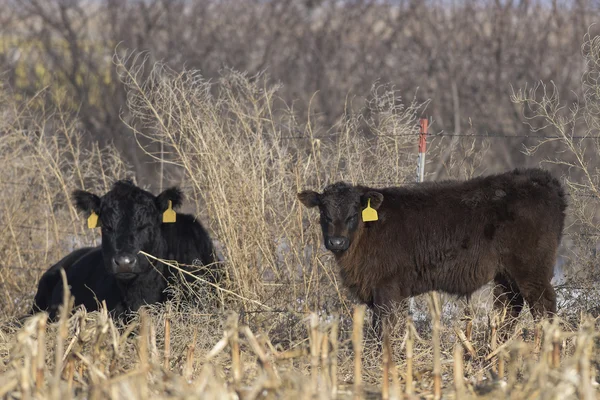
point(169, 216)
point(93, 221)
point(369, 214)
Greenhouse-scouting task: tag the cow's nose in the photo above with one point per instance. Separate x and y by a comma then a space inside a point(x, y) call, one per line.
point(337, 243)
point(124, 263)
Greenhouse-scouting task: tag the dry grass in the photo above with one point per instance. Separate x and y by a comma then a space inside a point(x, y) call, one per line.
point(44, 157)
point(287, 329)
point(245, 157)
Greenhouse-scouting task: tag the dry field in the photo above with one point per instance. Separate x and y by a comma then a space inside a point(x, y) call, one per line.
point(286, 328)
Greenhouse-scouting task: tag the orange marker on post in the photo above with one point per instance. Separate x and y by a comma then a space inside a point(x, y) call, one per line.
point(422, 149)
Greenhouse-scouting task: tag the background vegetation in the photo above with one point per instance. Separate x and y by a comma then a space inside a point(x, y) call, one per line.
point(243, 104)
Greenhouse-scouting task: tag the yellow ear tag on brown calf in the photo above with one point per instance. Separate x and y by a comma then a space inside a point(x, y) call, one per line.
point(93, 221)
point(169, 216)
point(369, 214)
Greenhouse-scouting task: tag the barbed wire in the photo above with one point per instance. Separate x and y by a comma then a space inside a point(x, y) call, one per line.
point(444, 134)
point(41, 229)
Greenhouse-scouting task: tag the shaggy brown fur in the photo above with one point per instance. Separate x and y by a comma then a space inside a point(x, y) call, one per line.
point(450, 236)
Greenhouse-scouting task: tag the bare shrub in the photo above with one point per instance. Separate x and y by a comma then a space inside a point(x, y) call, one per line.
point(463, 57)
point(572, 131)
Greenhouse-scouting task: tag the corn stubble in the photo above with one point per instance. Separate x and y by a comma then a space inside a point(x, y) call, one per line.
point(88, 356)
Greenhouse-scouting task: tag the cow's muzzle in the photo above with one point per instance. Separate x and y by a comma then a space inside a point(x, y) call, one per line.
point(337, 243)
point(125, 266)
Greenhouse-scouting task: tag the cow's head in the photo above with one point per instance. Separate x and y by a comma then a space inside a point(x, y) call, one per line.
point(130, 219)
point(340, 205)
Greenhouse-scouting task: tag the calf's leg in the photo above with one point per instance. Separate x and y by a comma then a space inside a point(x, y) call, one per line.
point(541, 297)
point(507, 296)
point(532, 273)
point(388, 305)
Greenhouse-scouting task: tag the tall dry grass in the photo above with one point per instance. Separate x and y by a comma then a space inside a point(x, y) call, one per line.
point(245, 156)
point(44, 157)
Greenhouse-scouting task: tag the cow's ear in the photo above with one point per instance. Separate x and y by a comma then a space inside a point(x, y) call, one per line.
point(309, 198)
point(86, 202)
point(174, 194)
point(376, 199)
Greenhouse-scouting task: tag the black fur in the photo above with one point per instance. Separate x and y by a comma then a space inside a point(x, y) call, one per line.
point(51, 278)
point(131, 220)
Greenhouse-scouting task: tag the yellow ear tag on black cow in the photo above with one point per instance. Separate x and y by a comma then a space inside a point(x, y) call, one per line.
point(93, 221)
point(369, 214)
point(169, 216)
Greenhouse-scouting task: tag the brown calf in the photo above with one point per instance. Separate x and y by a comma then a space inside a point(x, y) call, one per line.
point(449, 236)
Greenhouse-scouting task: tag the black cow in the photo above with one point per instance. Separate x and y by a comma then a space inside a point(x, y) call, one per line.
point(51, 277)
point(131, 221)
point(452, 236)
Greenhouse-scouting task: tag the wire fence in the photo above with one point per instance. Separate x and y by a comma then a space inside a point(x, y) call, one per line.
point(458, 135)
point(47, 229)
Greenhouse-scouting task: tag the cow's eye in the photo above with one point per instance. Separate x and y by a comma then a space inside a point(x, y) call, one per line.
point(326, 218)
point(351, 218)
point(107, 228)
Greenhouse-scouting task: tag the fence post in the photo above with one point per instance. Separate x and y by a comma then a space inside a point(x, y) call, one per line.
point(423, 131)
point(162, 166)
